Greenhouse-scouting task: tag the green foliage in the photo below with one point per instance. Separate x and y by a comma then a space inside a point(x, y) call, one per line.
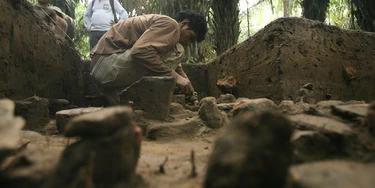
point(81, 35)
point(338, 14)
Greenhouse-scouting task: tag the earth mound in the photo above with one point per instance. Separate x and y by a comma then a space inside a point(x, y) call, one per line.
point(291, 52)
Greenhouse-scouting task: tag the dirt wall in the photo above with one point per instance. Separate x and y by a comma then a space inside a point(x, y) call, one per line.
point(33, 61)
point(291, 52)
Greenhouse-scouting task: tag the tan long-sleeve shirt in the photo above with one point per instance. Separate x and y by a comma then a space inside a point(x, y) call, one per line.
point(148, 36)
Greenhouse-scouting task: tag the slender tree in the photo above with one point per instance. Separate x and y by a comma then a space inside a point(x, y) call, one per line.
point(364, 12)
point(225, 24)
point(315, 9)
point(286, 5)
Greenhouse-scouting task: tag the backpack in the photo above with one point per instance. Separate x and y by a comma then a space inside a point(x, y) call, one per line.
point(111, 2)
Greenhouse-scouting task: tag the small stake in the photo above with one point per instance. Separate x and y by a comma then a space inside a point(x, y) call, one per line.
point(161, 167)
point(193, 169)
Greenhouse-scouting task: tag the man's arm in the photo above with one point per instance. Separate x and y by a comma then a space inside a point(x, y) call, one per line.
point(181, 71)
point(190, 88)
point(87, 15)
point(120, 11)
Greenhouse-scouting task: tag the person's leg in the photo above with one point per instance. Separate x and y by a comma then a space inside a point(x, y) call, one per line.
point(114, 73)
point(95, 37)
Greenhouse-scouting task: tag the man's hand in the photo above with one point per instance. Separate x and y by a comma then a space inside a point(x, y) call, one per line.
point(183, 83)
point(112, 22)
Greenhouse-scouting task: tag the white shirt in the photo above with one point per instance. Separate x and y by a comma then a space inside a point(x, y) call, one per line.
point(99, 16)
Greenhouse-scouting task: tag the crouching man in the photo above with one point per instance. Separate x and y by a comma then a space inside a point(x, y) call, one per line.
point(147, 45)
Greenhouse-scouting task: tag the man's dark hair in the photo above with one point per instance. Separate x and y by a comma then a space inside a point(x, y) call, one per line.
point(197, 23)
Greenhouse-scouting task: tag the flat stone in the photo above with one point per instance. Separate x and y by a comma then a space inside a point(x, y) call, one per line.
point(350, 111)
point(64, 116)
point(334, 174)
point(103, 122)
point(185, 128)
point(326, 104)
point(323, 124)
point(248, 105)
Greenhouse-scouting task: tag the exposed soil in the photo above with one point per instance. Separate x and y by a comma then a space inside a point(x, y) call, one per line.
point(33, 61)
point(275, 63)
point(291, 52)
point(177, 168)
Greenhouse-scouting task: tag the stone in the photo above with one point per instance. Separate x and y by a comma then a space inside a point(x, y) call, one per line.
point(141, 121)
point(260, 105)
point(326, 104)
point(350, 111)
point(151, 94)
point(30, 167)
point(35, 111)
point(174, 130)
point(177, 108)
point(100, 159)
point(179, 112)
point(209, 113)
point(306, 94)
point(227, 98)
point(322, 124)
point(227, 85)
point(99, 123)
point(254, 150)
point(10, 128)
point(333, 174)
point(56, 105)
point(340, 134)
point(33, 138)
point(288, 107)
point(312, 146)
point(64, 116)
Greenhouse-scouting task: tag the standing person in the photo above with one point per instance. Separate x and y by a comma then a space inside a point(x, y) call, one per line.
point(99, 17)
point(147, 45)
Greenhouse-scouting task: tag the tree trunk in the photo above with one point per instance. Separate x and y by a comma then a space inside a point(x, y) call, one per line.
point(364, 11)
point(286, 4)
point(315, 9)
point(225, 24)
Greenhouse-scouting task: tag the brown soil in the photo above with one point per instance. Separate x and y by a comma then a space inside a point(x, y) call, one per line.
point(33, 61)
point(274, 63)
point(178, 167)
point(291, 52)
